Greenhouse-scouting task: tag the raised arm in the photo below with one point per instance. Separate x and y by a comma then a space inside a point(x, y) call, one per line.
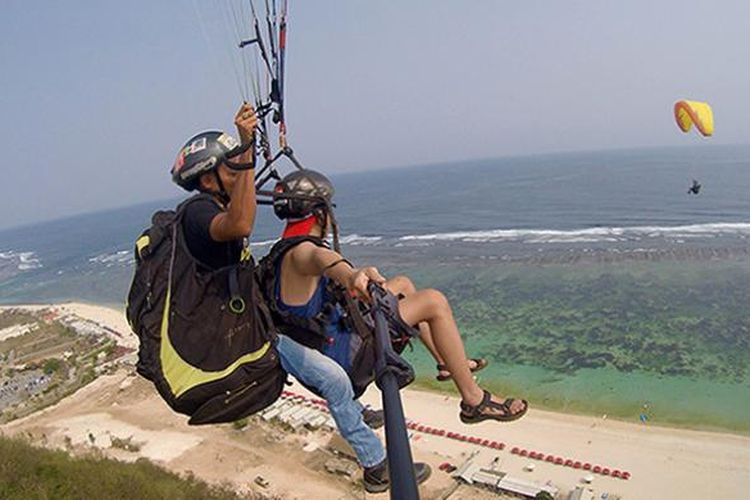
point(311, 260)
point(238, 220)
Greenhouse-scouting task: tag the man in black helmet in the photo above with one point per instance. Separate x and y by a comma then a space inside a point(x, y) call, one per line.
point(215, 227)
point(205, 336)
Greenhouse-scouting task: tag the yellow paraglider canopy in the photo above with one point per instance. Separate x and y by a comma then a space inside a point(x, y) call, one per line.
point(687, 113)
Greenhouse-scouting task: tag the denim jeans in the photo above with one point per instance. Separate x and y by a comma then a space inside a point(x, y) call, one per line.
point(314, 369)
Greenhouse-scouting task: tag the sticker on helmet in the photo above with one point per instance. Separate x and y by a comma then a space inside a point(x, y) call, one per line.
point(199, 167)
point(228, 141)
point(179, 162)
point(195, 146)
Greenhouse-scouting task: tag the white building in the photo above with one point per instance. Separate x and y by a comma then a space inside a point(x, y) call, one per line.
point(473, 473)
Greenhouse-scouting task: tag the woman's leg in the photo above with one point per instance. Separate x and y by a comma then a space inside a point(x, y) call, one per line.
point(404, 286)
point(432, 307)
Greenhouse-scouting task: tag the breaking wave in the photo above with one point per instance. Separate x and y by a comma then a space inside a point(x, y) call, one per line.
point(119, 257)
point(24, 261)
point(589, 235)
point(355, 239)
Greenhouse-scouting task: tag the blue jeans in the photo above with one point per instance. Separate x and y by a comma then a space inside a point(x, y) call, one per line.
point(315, 369)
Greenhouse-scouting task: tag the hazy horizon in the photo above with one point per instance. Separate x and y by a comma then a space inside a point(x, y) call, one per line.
point(175, 197)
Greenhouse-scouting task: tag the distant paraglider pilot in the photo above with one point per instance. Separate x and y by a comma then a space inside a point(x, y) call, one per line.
point(694, 113)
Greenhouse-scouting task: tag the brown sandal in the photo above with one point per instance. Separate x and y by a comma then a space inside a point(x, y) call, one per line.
point(474, 414)
point(479, 362)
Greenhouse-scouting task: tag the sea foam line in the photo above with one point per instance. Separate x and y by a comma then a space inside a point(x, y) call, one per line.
point(587, 235)
point(26, 260)
point(356, 239)
point(119, 257)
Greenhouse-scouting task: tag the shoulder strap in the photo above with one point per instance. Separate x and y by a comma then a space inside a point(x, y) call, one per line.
point(267, 266)
point(162, 222)
point(153, 236)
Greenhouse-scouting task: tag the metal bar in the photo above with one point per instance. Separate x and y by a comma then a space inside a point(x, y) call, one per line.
point(400, 463)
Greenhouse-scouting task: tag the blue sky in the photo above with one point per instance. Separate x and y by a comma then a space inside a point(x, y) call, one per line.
point(96, 97)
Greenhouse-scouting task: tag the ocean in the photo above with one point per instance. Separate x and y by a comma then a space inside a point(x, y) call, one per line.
point(593, 282)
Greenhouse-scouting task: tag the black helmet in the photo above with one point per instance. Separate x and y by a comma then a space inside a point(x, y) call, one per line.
point(315, 187)
point(203, 153)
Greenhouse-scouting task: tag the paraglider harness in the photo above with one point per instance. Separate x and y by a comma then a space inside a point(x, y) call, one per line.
point(356, 318)
point(206, 338)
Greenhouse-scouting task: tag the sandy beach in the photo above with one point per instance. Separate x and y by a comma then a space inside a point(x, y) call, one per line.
point(662, 462)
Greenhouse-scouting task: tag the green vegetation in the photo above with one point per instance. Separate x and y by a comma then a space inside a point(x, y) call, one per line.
point(126, 444)
point(88, 376)
point(28, 473)
point(48, 340)
point(51, 366)
point(15, 317)
point(240, 424)
point(110, 348)
point(667, 319)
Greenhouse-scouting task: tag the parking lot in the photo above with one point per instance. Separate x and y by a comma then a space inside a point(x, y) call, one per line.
point(21, 386)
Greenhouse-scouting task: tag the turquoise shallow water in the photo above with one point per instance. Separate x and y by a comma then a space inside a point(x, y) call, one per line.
point(669, 401)
point(672, 340)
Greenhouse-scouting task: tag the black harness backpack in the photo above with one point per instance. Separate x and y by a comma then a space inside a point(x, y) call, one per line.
point(206, 336)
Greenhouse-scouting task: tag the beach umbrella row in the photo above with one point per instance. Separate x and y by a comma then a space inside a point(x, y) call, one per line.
point(436, 431)
point(487, 443)
point(569, 462)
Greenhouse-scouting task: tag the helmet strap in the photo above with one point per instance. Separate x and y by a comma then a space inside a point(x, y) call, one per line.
point(222, 193)
point(321, 217)
point(334, 226)
point(238, 151)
